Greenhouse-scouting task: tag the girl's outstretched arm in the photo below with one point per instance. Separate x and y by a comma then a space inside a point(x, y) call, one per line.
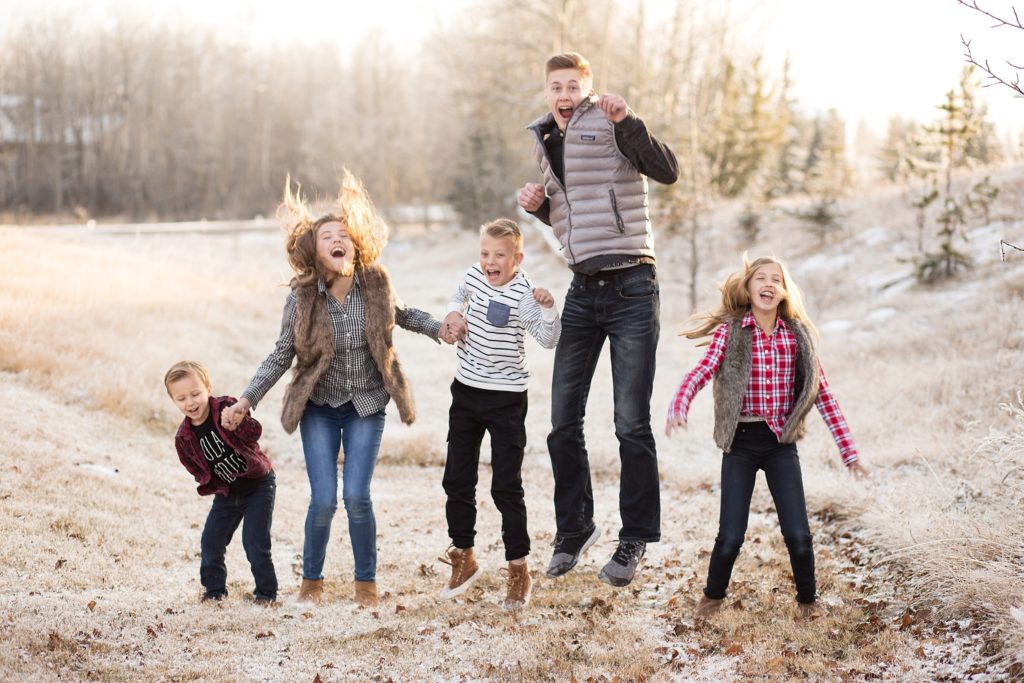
point(695, 380)
point(829, 408)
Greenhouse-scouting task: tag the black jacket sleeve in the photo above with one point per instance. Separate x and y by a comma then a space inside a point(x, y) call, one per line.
point(649, 155)
point(544, 212)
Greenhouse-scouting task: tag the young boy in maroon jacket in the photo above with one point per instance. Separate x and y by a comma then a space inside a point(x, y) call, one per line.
point(229, 464)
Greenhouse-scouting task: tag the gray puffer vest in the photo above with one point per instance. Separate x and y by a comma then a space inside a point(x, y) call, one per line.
point(602, 207)
point(734, 374)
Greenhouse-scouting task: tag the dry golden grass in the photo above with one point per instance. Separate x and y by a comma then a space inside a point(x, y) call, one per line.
point(100, 525)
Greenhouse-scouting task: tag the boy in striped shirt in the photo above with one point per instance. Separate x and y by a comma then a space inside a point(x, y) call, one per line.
point(489, 314)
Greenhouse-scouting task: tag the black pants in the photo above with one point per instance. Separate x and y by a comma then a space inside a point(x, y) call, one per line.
point(226, 513)
point(503, 415)
point(754, 448)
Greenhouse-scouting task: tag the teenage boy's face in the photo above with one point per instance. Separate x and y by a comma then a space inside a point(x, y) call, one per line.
point(192, 398)
point(499, 259)
point(564, 90)
point(334, 249)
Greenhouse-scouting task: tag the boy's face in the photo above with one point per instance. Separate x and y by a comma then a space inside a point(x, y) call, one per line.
point(499, 259)
point(564, 90)
point(767, 288)
point(192, 398)
point(335, 249)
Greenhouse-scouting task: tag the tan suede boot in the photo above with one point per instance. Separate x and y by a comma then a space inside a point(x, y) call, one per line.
point(517, 595)
point(366, 593)
point(310, 590)
point(707, 607)
point(465, 571)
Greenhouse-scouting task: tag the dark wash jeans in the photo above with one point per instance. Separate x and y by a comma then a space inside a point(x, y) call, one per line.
point(503, 415)
point(754, 448)
point(254, 512)
point(621, 307)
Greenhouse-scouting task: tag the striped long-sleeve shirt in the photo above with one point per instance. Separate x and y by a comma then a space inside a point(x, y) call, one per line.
point(492, 355)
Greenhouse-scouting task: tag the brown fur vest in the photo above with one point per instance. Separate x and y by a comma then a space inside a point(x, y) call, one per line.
point(314, 344)
point(734, 374)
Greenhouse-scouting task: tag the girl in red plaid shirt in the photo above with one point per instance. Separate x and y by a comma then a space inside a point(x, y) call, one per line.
point(767, 378)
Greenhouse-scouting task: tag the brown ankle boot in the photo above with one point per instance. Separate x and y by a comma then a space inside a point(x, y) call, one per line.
point(517, 595)
point(366, 593)
point(707, 607)
point(310, 590)
point(465, 571)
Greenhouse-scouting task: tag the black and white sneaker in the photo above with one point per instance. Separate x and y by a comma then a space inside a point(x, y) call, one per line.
point(620, 569)
point(568, 551)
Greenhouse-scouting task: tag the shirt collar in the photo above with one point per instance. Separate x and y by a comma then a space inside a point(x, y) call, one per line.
point(748, 321)
point(321, 284)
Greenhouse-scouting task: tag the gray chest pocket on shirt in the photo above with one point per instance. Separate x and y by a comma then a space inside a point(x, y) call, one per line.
point(497, 313)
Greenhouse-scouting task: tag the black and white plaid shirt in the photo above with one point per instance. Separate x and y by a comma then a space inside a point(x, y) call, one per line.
point(352, 375)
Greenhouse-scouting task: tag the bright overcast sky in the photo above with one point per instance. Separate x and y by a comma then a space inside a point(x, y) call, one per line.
point(870, 59)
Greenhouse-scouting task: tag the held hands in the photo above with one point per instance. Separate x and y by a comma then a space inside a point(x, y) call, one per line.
point(232, 416)
point(531, 196)
point(675, 423)
point(543, 297)
point(453, 327)
point(614, 107)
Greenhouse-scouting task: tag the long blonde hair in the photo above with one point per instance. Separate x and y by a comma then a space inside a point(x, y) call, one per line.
point(736, 300)
point(353, 208)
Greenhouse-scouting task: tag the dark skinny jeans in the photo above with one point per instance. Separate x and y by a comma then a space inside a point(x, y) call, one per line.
point(754, 448)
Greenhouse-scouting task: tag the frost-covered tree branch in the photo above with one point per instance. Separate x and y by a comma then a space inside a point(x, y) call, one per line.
point(983, 63)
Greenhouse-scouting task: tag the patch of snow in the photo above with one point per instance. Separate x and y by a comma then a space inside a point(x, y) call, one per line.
point(835, 327)
point(108, 471)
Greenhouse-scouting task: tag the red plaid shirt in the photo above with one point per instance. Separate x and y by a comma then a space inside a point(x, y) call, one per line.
point(770, 389)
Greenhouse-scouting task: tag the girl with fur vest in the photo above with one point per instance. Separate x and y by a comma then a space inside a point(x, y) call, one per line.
point(767, 377)
point(337, 324)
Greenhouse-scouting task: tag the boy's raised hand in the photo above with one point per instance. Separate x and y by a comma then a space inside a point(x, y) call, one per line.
point(543, 297)
point(674, 423)
point(614, 107)
point(453, 327)
point(531, 196)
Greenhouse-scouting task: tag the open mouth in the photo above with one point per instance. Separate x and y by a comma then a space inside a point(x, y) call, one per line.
point(337, 252)
point(767, 296)
point(565, 113)
point(492, 273)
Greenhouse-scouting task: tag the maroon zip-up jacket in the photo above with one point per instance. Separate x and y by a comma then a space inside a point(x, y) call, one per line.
point(243, 440)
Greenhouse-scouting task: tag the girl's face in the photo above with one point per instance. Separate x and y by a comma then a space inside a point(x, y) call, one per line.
point(334, 249)
point(766, 288)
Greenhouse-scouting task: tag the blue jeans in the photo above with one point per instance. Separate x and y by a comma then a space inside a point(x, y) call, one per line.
point(254, 512)
point(325, 431)
point(622, 307)
point(754, 448)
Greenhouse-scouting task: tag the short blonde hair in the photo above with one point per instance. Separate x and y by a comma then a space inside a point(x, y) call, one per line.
point(504, 228)
point(569, 60)
point(183, 369)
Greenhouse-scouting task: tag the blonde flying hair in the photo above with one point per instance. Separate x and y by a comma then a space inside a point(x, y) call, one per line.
point(183, 369)
point(736, 300)
point(353, 208)
point(504, 228)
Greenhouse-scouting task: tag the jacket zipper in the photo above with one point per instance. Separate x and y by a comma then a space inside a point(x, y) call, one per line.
point(615, 210)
